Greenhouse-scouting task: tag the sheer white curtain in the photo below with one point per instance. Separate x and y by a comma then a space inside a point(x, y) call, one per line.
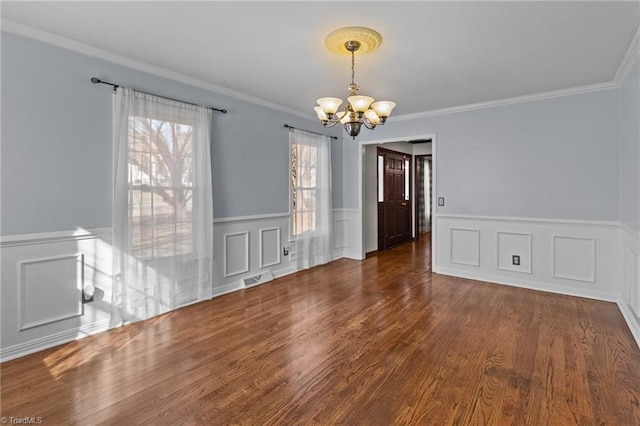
point(427, 193)
point(162, 206)
point(311, 198)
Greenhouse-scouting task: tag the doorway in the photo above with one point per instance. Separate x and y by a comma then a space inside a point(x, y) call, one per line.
point(367, 225)
point(394, 198)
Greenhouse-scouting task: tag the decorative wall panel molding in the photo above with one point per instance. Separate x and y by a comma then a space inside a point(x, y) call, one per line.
point(42, 280)
point(236, 253)
point(465, 246)
point(50, 289)
point(584, 262)
point(514, 243)
point(269, 247)
point(574, 258)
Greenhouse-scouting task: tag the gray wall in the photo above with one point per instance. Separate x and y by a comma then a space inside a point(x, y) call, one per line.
point(350, 151)
point(56, 148)
point(555, 158)
point(629, 149)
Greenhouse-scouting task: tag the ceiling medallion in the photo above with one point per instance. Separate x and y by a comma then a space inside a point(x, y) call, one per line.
point(360, 110)
point(369, 40)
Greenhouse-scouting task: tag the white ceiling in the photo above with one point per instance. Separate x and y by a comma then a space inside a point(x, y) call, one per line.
point(434, 54)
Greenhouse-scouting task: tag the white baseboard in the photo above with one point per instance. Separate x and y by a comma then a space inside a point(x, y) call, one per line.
point(352, 255)
point(337, 254)
point(531, 285)
point(227, 288)
point(283, 272)
point(36, 345)
point(631, 320)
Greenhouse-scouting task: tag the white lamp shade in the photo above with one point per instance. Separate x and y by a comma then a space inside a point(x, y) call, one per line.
point(329, 105)
point(360, 103)
point(383, 108)
point(372, 116)
point(321, 115)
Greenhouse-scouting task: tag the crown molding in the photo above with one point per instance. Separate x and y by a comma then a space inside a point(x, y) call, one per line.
point(89, 50)
point(86, 49)
point(509, 101)
point(629, 58)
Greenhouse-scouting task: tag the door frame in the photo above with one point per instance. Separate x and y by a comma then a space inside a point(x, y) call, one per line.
point(361, 190)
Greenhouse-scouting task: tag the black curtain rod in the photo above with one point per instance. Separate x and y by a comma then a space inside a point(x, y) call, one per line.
point(96, 80)
point(315, 133)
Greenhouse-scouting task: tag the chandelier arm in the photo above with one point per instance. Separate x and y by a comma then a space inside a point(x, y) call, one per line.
point(330, 123)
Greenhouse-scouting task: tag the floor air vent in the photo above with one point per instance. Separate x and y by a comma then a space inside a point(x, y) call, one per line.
point(258, 279)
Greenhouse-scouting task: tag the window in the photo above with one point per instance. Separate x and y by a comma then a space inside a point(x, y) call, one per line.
point(406, 180)
point(304, 173)
point(380, 178)
point(160, 187)
point(310, 183)
point(162, 205)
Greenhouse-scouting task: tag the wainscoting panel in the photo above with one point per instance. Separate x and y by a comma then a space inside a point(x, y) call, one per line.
point(570, 257)
point(246, 246)
point(43, 276)
point(574, 258)
point(269, 247)
point(43, 303)
point(465, 246)
point(236, 253)
point(511, 244)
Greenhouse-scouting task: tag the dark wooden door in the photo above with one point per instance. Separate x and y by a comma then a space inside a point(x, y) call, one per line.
point(394, 211)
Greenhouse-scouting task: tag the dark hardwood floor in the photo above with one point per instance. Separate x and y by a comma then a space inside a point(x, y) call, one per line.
point(378, 342)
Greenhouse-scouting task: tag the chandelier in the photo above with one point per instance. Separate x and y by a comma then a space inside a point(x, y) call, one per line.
point(360, 110)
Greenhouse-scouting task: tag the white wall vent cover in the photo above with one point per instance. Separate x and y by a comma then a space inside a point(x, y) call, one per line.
point(258, 279)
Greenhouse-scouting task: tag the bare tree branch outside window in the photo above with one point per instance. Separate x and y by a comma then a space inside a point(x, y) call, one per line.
point(161, 187)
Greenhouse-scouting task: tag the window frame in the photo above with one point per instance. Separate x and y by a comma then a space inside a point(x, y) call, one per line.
point(292, 191)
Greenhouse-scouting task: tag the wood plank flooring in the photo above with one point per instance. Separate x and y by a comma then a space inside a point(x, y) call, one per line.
point(378, 342)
